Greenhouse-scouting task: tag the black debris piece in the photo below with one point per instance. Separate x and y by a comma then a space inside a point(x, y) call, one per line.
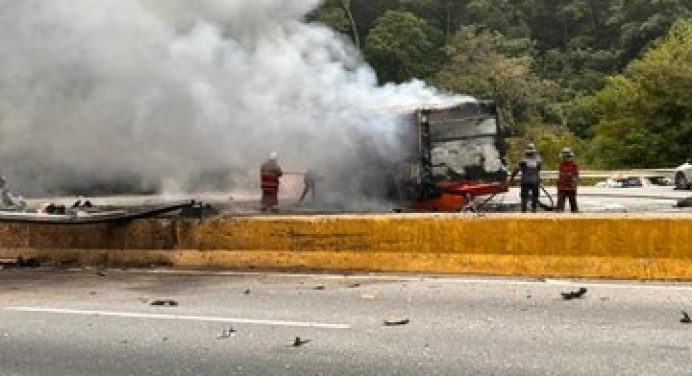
point(77, 204)
point(684, 203)
point(247, 292)
point(56, 209)
point(354, 286)
point(299, 342)
point(28, 263)
point(101, 273)
point(199, 210)
point(574, 294)
point(396, 322)
point(227, 333)
point(87, 204)
point(320, 287)
point(164, 303)
point(685, 318)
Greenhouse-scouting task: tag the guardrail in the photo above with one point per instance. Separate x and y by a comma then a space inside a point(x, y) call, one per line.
point(659, 172)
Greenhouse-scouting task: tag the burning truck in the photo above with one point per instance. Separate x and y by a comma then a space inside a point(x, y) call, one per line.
point(455, 155)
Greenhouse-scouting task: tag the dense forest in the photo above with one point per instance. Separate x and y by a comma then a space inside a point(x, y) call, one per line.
point(610, 78)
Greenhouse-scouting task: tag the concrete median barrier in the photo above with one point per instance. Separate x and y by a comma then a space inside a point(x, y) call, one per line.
point(608, 246)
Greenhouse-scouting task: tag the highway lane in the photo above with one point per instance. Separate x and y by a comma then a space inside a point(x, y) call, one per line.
point(57, 322)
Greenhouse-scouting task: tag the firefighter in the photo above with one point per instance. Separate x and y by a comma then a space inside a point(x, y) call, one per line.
point(530, 168)
point(270, 172)
point(8, 201)
point(310, 184)
point(567, 181)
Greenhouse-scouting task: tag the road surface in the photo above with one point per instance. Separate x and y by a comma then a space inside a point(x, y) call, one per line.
point(57, 322)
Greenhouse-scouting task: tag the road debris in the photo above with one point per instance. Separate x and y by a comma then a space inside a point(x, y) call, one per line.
point(574, 294)
point(21, 262)
point(396, 322)
point(101, 273)
point(685, 318)
point(354, 286)
point(164, 302)
point(297, 342)
point(228, 333)
point(320, 287)
point(247, 292)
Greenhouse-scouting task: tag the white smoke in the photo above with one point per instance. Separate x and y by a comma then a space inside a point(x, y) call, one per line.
point(168, 89)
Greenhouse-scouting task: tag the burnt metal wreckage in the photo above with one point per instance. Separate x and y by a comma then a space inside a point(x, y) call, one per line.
point(79, 217)
point(456, 160)
point(456, 154)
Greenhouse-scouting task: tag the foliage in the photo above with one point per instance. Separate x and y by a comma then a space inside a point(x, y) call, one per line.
point(645, 114)
point(485, 64)
point(592, 74)
point(402, 46)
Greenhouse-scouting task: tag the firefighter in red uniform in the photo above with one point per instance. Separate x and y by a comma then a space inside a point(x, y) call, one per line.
point(567, 182)
point(270, 172)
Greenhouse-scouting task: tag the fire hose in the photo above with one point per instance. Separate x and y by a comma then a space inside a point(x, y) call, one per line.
point(544, 206)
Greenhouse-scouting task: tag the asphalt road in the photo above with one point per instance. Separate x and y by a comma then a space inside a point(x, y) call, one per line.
point(75, 323)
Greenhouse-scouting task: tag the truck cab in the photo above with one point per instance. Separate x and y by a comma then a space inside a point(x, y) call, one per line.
point(456, 154)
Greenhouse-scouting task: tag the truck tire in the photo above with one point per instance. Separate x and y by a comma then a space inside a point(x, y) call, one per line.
point(681, 181)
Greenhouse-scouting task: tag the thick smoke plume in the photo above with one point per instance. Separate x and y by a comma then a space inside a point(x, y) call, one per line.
point(168, 90)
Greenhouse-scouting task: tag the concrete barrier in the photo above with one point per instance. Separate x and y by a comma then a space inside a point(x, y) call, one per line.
point(609, 246)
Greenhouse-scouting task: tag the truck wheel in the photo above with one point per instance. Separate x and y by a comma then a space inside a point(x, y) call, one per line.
point(681, 181)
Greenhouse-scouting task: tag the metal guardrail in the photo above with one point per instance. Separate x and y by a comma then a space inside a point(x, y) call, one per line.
point(657, 172)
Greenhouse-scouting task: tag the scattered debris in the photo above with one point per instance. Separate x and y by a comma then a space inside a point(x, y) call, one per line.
point(396, 322)
point(247, 292)
point(56, 209)
point(528, 296)
point(685, 318)
point(28, 263)
point(228, 333)
point(299, 342)
point(101, 273)
point(164, 339)
point(684, 203)
point(574, 294)
point(79, 204)
point(320, 287)
point(354, 286)
point(199, 210)
point(164, 302)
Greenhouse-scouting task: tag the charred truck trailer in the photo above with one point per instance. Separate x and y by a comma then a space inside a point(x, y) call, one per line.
point(456, 155)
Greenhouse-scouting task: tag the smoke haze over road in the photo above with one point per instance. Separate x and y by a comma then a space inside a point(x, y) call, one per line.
point(167, 89)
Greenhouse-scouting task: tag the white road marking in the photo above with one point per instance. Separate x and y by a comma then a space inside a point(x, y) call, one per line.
point(135, 315)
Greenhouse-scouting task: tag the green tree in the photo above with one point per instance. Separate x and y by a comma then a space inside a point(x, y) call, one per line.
point(640, 22)
point(338, 15)
point(485, 64)
point(402, 46)
point(645, 115)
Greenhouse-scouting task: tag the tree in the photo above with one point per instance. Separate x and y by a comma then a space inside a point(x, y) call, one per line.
point(485, 64)
point(337, 14)
point(645, 115)
point(402, 46)
point(640, 22)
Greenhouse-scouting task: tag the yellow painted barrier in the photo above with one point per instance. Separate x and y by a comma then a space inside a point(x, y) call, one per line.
point(608, 246)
